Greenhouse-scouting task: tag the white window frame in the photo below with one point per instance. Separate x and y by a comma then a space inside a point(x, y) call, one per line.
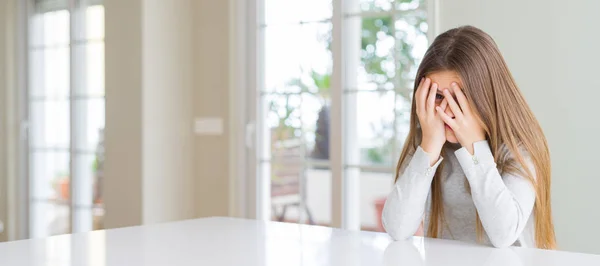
point(79, 221)
point(254, 199)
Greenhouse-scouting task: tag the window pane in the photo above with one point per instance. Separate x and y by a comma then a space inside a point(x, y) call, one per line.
point(95, 69)
point(94, 22)
point(411, 35)
point(315, 122)
point(298, 120)
point(288, 191)
point(356, 6)
point(318, 194)
point(49, 219)
point(384, 41)
point(283, 125)
point(37, 78)
point(90, 55)
point(50, 175)
point(403, 106)
point(36, 32)
point(83, 191)
point(54, 28)
point(370, 131)
point(371, 40)
point(85, 173)
point(293, 54)
point(50, 103)
point(409, 4)
point(50, 72)
point(90, 123)
point(89, 81)
point(49, 124)
point(56, 71)
point(299, 128)
point(374, 188)
point(300, 194)
point(277, 11)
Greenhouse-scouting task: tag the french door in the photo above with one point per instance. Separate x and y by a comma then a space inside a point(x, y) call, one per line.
point(329, 104)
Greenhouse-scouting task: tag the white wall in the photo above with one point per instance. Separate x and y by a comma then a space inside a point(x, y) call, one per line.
point(9, 141)
point(211, 94)
point(149, 174)
point(552, 49)
point(3, 100)
point(122, 185)
point(167, 62)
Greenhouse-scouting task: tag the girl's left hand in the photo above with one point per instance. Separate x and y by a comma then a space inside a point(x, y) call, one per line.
point(465, 124)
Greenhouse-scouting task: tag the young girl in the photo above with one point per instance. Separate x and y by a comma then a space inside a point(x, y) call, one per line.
point(475, 166)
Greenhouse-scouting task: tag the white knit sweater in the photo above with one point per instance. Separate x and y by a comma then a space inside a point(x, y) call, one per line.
point(504, 201)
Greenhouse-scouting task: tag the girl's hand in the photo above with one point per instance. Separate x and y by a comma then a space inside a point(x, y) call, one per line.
point(465, 125)
point(432, 125)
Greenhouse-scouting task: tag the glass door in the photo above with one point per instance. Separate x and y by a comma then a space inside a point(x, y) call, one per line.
point(334, 85)
point(65, 99)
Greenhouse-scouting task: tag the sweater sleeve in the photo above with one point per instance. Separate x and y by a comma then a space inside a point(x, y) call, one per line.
point(504, 202)
point(405, 205)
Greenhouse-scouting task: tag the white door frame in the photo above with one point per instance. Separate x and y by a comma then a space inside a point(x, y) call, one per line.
point(241, 198)
point(247, 47)
point(244, 98)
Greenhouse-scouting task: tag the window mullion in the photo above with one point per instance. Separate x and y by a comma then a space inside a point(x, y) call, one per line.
point(432, 19)
point(72, 112)
point(263, 136)
point(397, 84)
point(24, 72)
point(81, 182)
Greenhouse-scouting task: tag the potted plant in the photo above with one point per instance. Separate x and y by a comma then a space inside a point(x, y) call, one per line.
point(61, 185)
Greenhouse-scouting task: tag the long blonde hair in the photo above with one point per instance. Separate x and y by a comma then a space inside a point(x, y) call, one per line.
point(510, 126)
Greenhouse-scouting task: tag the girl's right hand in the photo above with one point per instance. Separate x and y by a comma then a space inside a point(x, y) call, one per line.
point(432, 125)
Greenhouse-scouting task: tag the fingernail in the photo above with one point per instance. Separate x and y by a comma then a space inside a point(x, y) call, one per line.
point(454, 84)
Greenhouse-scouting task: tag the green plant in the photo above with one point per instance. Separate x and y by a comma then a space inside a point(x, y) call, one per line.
point(393, 67)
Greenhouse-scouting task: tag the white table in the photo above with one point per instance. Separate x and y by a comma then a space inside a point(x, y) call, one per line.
point(229, 241)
